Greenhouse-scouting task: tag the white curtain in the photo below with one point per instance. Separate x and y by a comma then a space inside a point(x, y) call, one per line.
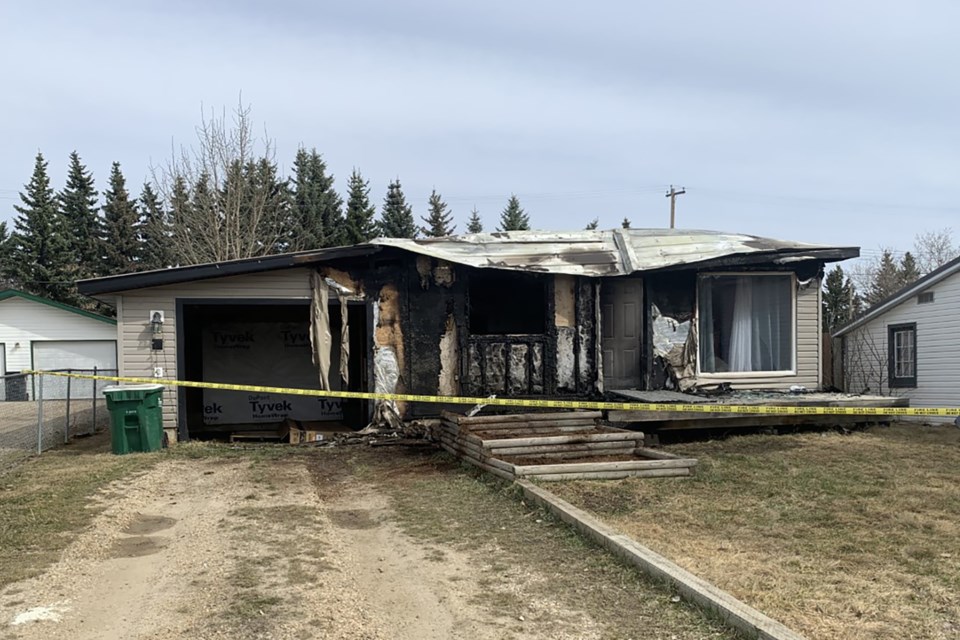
point(770, 325)
point(742, 335)
point(760, 335)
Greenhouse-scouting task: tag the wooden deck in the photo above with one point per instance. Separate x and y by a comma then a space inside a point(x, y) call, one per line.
point(555, 446)
point(660, 421)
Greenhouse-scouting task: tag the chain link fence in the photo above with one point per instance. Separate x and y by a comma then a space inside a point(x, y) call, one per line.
point(39, 412)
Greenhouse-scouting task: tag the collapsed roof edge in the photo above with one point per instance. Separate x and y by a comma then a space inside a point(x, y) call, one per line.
point(592, 253)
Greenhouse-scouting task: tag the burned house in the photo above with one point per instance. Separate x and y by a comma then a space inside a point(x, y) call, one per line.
point(527, 314)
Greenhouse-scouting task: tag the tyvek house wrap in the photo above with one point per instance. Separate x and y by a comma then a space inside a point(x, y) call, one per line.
point(320, 338)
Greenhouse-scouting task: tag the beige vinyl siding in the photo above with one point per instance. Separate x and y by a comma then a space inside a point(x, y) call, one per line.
point(938, 349)
point(808, 336)
point(137, 359)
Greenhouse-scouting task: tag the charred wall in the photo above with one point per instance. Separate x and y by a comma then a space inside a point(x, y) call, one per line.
point(555, 357)
point(587, 337)
point(426, 340)
point(507, 341)
point(670, 311)
point(434, 313)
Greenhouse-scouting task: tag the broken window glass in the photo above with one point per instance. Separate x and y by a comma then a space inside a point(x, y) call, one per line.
point(507, 302)
point(746, 323)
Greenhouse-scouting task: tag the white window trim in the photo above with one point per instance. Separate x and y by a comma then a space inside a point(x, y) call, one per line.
point(748, 375)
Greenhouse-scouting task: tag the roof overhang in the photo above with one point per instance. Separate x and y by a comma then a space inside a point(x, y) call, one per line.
point(6, 294)
point(902, 295)
point(179, 275)
point(593, 253)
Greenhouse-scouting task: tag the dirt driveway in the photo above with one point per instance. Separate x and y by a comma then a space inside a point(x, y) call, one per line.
point(326, 546)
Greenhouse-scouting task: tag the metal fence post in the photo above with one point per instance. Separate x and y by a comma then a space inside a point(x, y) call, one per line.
point(94, 429)
point(39, 399)
point(66, 425)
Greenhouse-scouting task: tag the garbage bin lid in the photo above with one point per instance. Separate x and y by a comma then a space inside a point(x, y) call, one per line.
point(133, 387)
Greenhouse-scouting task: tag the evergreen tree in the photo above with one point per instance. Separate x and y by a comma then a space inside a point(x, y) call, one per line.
point(474, 225)
point(396, 220)
point(513, 218)
point(155, 250)
point(909, 272)
point(264, 201)
point(359, 225)
point(592, 225)
point(121, 224)
point(39, 257)
point(180, 206)
point(886, 279)
point(6, 248)
point(840, 300)
point(439, 220)
point(202, 197)
point(78, 207)
point(317, 208)
point(626, 223)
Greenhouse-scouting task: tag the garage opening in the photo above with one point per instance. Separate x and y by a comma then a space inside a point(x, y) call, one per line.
point(265, 343)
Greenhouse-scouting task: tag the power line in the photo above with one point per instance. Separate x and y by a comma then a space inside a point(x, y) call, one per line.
point(894, 206)
point(554, 195)
point(672, 194)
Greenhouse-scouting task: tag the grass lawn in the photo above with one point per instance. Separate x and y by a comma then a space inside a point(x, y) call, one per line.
point(442, 502)
point(46, 499)
point(837, 536)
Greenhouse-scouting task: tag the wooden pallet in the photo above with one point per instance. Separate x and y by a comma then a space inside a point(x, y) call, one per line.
point(256, 436)
point(543, 441)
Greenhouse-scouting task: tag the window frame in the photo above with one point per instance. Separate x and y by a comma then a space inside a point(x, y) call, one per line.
point(748, 375)
point(547, 298)
point(893, 381)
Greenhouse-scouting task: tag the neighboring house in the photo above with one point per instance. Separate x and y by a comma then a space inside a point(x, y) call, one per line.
point(37, 333)
point(565, 314)
point(909, 344)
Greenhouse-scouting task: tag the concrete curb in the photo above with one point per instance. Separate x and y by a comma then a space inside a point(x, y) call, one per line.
point(736, 614)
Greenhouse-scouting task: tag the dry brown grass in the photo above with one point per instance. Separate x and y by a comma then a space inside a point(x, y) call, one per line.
point(45, 500)
point(442, 503)
point(838, 536)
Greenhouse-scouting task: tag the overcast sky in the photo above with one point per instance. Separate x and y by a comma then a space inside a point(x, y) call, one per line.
point(832, 122)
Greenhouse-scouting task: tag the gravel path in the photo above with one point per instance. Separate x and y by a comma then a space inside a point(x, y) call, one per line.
point(213, 548)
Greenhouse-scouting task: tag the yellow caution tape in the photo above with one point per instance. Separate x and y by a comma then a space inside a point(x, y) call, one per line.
point(663, 407)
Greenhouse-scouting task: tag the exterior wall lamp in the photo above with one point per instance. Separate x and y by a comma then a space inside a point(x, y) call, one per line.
point(156, 326)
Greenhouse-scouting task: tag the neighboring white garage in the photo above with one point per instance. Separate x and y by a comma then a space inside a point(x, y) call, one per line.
point(36, 333)
point(75, 354)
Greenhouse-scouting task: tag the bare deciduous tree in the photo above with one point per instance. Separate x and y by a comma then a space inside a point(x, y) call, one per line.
point(865, 367)
point(863, 272)
point(236, 205)
point(934, 248)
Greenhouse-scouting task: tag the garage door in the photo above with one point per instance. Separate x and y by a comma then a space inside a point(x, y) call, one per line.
point(73, 354)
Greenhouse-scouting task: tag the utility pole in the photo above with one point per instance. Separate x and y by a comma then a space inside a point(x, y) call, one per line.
point(672, 194)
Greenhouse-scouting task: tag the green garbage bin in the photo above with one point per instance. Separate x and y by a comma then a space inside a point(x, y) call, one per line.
point(136, 417)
